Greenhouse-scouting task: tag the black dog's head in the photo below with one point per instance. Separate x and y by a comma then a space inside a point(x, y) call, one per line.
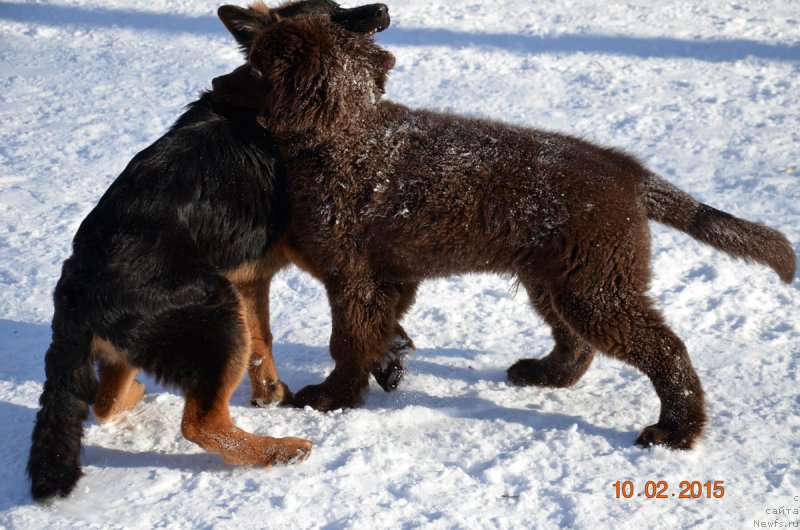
point(245, 23)
point(308, 75)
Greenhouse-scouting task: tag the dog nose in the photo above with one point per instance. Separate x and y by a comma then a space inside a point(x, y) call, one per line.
point(363, 19)
point(382, 15)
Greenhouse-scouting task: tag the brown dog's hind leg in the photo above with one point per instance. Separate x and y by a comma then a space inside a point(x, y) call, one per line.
point(626, 326)
point(566, 363)
point(118, 391)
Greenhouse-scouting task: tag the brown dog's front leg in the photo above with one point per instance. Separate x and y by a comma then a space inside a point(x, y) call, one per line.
point(363, 327)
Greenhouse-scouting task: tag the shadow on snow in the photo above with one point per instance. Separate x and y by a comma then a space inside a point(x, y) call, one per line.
point(642, 47)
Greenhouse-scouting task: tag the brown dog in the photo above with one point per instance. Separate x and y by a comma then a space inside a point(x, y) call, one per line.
point(254, 278)
point(386, 197)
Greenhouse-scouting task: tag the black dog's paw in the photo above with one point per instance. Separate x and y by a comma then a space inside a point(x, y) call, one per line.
point(273, 393)
point(389, 377)
point(325, 397)
point(393, 367)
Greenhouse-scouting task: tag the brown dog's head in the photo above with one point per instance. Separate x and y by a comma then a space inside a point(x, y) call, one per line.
point(308, 75)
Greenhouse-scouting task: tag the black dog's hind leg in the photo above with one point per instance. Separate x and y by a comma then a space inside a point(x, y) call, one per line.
point(118, 391)
point(205, 348)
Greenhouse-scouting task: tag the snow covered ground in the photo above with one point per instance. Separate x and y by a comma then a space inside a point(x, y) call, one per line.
point(707, 93)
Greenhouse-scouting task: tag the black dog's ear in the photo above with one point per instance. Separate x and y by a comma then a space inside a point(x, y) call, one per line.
point(243, 24)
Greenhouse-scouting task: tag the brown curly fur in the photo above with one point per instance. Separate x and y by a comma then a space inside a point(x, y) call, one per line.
point(386, 197)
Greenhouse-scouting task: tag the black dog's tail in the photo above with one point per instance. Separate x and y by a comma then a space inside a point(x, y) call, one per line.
point(669, 205)
point(69, 389)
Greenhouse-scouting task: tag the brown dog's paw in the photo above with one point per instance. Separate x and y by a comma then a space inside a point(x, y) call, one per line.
point(536, 372)
point(274, 393)
point(324, 398)
point(531, 372)
point(524, 373)
point(672, 437)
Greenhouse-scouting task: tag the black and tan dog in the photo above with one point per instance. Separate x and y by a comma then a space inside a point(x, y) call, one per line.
point(384, 197)
point(170, 274)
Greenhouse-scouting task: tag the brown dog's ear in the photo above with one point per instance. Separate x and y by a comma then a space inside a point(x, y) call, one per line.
point(244, 24)
point(302, 64)
point(320, 77)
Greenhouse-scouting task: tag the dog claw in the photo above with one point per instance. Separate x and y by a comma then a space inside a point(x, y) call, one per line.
point(389, 379)
point(272, 394)
point(301, 456)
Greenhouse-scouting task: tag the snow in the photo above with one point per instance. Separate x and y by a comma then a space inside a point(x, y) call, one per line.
point(705, 93)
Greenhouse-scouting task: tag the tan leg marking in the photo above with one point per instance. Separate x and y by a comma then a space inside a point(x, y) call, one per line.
point(253, 281)
point(118, 391)
point(265, 385)
point(209, 425)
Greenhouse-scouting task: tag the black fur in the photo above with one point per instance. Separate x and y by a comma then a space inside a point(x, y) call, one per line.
point(144, 273)
point(147, 268)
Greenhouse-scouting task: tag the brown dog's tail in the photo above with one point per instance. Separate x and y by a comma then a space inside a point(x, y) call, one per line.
point(750, 241)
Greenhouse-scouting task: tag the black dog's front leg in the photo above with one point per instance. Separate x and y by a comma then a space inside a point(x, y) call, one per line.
point(389, 373)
